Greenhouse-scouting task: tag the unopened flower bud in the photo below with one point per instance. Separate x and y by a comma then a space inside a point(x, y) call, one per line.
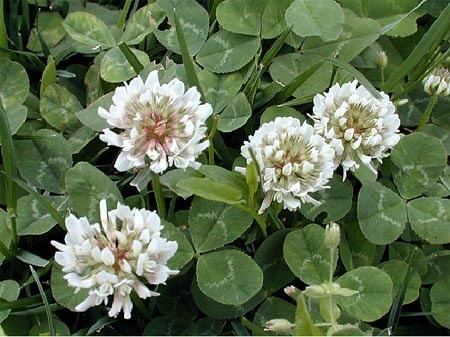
point(332, 235)
point(278, 325)
point(401, 102)
point(315, 291)
point(382, 60)
point(437, 83)
point(292, 292)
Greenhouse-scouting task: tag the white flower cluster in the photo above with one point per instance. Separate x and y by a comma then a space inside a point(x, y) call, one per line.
point(357, 125)
point(162, 125)
point(293, 161)
point(437, 83)
point(113, 259)
point(350, 127)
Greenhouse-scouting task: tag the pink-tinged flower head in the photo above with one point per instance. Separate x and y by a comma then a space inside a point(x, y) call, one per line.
point(162, 124)
point(112, 258)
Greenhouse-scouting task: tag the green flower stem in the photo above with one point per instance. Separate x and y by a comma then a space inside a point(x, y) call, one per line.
point(330, 279)
point(211, 140)
point(427, 114)
point(160, 204)
point(261, 223)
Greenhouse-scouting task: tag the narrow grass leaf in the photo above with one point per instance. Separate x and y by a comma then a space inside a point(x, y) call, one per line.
point(21, 303)
point(289, 89)
point(37, 310)
point(44, 45)
point(123, 14)
point(51, 325)
point(396, 307)
point(393, 24)
point(356, 74)
point(131, 58)
point(187, 59)
point(3, 34)
point(429, 42)
point(273, 51)
point(10, 167)
point(31, 259)
point(101, 323)
point(48, 206)
point(41, 272)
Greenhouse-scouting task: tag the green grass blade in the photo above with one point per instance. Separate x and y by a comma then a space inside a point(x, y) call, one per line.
point(44, 46)
point(10, 167)
point(299, 101)
point(289, 89)
point(238, 328)
point(37, 310)
point(21, 303)
point(131, 58)
point(356, 74)
point(101, 323)
point(51, 325)
point(41, 272)
point(212, 15)
point(30, 258)
point(187, 59)
point(49, 75)
point(391, 25)
point(273, 51)
point(427, 44)
point(5, 252)
point(32, 58)
point(396, 309)
point(123, 14)
point(3, 34)
point(252, 79)
point(26, 23)
point(48, 206)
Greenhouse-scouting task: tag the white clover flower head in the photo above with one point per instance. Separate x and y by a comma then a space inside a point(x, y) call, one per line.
point(292, 159)
point(357, 125)
point(437, 83)
point(162, 125)
point(111, 259)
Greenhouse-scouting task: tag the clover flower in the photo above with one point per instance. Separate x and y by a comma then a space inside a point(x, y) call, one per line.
point(162, 125)
point(113, 259)
point(292, 159)
point(437, 83)
point(357, 125)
